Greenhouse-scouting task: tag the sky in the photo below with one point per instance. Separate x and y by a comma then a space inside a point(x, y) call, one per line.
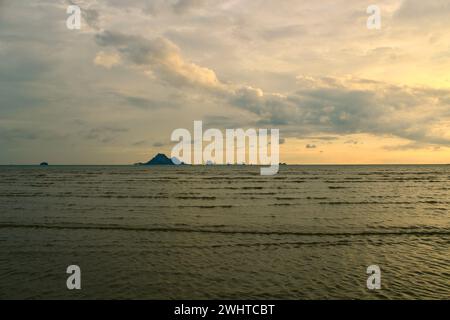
point(114, 91)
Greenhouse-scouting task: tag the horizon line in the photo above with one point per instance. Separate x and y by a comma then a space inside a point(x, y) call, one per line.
point(235, 165)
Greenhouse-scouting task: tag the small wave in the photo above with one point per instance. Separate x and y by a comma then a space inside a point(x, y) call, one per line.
point(434, 202)
point(271, 244)
point(195, 198)
point(393, 231)
point(286, 198)
point(336, 203)
point(225, 206)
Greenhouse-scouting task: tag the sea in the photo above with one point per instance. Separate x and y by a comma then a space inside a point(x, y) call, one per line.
point(225, 232)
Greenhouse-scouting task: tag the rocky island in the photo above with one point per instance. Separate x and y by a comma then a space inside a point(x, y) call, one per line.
point(159, 160)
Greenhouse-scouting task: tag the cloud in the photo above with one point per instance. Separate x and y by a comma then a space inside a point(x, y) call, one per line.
point(17, 134)
point(158, 7)
point(351, 105)
point(232, 63)
point(92, 17)
point(144, 103)
point(223, 122)
point(160, 56)
point(283, 32)
point(418, 11)
point(322, 105)
point(410, 146)
point(324, 138)
point(352, 142)
point(104, 134)
point(106, 59)
point(183, 6)
point(159, 144)
point(311, 146)
point(140, 143)
point(21, 133)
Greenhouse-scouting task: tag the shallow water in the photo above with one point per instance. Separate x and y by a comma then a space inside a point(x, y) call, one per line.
point(309, 232)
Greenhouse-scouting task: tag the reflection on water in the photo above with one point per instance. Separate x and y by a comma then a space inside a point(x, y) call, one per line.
point(225, 232)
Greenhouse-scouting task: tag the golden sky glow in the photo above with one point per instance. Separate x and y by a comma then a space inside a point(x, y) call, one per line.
point(113, 92)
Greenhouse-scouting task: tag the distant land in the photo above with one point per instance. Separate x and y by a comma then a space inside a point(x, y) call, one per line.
point(160, 160)
point(176, 162)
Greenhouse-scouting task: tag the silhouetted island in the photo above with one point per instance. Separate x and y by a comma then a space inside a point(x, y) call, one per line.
point(43, 164)
point(159, 160)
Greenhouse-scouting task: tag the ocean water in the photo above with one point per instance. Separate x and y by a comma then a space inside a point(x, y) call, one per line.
point(309, 232)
